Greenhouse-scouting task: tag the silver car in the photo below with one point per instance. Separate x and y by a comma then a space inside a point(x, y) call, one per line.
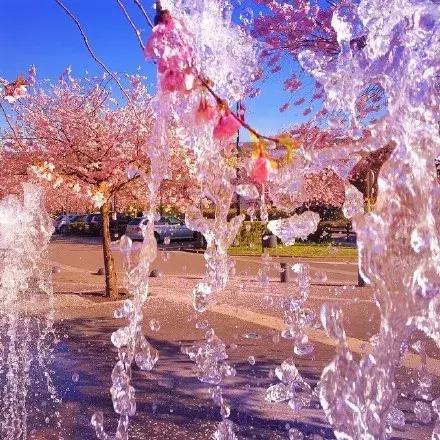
point(166, 228)
point(61, 224)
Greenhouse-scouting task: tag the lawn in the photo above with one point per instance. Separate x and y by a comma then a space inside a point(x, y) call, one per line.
point(310, 250)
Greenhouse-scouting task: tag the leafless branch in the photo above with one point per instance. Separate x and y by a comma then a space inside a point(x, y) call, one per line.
point(132, 24)
point(8, 120)
point(144, 13)
point(89, 48)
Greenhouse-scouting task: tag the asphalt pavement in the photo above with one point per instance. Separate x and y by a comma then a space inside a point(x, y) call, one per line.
point(171, 402)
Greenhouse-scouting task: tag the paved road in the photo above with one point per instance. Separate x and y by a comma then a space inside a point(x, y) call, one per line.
point(86, 254)
point(172, 404)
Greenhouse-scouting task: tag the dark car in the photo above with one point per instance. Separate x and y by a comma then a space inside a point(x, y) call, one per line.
point(117, 225)
point(78, 225)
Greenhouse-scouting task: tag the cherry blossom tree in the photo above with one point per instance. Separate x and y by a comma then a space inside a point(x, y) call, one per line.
point(75, 135)
point(16, 170)
point(288, 30)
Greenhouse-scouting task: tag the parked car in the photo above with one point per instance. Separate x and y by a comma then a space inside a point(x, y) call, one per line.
point(79, 224)
point(117, 226)
point(62, 222)
point(165, 227)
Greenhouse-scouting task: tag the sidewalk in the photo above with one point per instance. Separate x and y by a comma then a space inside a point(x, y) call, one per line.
point(172, 403)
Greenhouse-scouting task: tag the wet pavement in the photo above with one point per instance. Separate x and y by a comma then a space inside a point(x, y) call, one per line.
point(171, 402)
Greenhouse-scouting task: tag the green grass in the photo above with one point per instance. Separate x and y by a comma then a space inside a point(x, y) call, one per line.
point(299, 250)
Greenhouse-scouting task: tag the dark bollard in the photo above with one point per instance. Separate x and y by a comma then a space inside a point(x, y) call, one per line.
point(100, 271)
point(154, 273)
point(284, 275)
point(270, 241)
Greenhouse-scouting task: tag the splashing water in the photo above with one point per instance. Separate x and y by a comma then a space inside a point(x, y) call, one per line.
point(354, 202)
point(297, 226)
point(219, 234)
point(293, 388)
point(26, 312)
point(129, 340)
point(225, 59)
point(400, 56)
point(133, 347)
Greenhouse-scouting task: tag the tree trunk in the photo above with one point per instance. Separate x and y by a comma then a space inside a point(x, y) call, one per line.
point(111, 284)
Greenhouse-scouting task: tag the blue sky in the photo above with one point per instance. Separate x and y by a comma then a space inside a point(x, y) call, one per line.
point(38, 32)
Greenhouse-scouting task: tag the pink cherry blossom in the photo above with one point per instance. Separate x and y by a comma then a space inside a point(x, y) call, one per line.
point(15, 90)
point(289, 28)
point(170, 46)
point(261, 170)
point(160, 33)
point(226, 127)
point(173, 80)
point(205, 111)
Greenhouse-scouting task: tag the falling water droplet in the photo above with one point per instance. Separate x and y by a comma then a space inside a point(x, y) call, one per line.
point(422, 411)
point(320, 277)
point(247, 16)
point(125, 244)
point(252, 335)
point(154, 325)
point(202, 325)
point(295, 434)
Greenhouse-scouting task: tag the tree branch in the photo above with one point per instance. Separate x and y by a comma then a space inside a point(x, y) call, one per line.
point(89, 48)
point(8, 121)
point(240, 120)
point(136, 30)
point(144, 13)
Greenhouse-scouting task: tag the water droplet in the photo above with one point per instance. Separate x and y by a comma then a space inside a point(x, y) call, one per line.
point(396, 418)
point(202, 325)
point(320, 277)
point(422, 411)
point(252, 335)
point(247, 16)
point(295, 434)
point(154, 325)
point(125, 244)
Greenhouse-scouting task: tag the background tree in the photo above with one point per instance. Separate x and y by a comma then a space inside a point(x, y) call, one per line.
point(287, 29)
point(75, 135)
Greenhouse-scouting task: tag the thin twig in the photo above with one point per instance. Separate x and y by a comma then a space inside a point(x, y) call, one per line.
point(136, 30)
point(89, 48)
point(8, 121)
point(149, 21)
point(144, 13)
